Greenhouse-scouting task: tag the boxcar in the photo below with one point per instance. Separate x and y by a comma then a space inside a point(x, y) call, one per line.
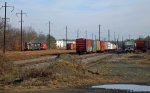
point(98, 46)
point(71, 46)
point(106, 46)
point(94, 48)
point(140, 45)
point(74, 46)
point(83, 45)
point(102, 46)
point(109, 46)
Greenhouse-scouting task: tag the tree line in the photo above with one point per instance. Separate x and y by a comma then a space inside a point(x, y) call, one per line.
point(13, 37)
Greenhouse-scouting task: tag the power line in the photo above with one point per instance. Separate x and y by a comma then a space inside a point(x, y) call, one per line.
point(21, 21)
point(5, 23)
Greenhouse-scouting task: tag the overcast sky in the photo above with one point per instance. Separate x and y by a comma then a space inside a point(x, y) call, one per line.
point(124, 17)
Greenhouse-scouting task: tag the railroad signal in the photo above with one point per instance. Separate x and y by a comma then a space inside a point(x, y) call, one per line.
point(5, 23)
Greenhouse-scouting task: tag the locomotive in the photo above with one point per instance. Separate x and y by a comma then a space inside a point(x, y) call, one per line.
point(35, 46)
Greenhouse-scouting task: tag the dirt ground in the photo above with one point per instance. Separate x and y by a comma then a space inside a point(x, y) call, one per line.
point(119, 68)
point(126, 68)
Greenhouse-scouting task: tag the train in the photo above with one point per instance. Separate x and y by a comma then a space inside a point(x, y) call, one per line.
point(35, 46)
point(71, 46)
point(89, 46)
point(138, 45)
point(129, 45)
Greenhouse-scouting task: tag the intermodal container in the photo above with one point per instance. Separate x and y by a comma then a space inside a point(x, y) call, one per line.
point(102, 46)
point(109, 46)
point(106, 46)
point(94, 46)
point(83, 45)
point(74, 46)
point(114, 47)
point(70, 46)
point(97, 46)
point(88, 45)
point(140, 45)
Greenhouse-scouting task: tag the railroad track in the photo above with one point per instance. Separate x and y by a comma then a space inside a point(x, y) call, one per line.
point(87, 59)
point(98, 61)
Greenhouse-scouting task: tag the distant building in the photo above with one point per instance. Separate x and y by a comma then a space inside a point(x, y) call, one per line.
point(61, 43)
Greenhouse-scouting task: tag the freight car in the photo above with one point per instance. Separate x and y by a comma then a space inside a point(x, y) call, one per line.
point(103, 46)
point(88, 46)
point(129, 45)
point(83, 45)
point(35, 46)
point(71, 46)
point(140, 45)
point(111, 47)
point(98, 46)
point(94, 46)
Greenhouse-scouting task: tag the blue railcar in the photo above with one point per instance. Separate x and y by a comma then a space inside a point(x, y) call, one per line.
point(94, 46)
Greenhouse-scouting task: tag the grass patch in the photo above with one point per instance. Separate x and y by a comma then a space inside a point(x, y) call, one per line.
point(8, 71)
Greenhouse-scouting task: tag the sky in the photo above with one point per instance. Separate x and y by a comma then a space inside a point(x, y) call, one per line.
point(123, 17)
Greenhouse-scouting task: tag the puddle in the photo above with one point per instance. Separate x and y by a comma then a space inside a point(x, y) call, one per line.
point(128, 87)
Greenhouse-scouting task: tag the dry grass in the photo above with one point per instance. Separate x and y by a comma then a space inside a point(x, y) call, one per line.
point(66, 72)
point(142, 58)
point(8, 71)
point(16, 55)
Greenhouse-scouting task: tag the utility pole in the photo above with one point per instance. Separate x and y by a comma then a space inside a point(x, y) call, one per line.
point(21, 21)
point(5, 24)
point(108, 35)
point(99, 32)
point(49, 38)
point(122, 43)
point(66, 37)
point(92, 36)
point(118, 41)
point(114, 37)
